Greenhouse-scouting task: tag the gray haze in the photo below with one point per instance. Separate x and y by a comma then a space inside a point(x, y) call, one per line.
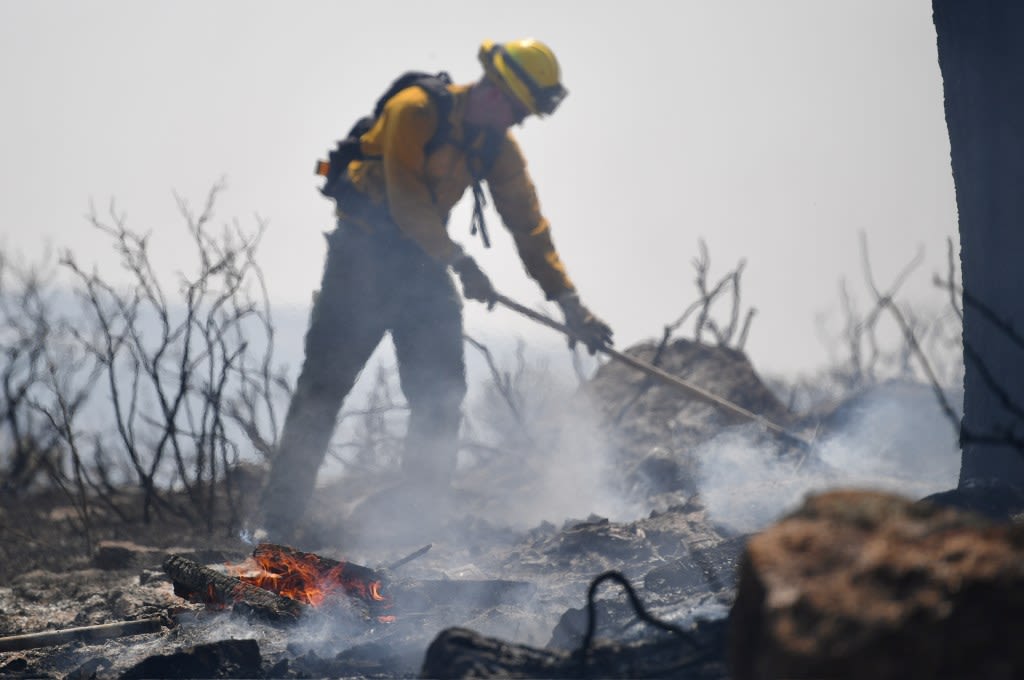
point(775, 131)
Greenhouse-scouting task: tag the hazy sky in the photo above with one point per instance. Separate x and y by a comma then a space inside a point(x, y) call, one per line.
point(776, 131)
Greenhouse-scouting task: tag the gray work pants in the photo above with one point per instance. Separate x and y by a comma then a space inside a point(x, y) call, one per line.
point(372, 284)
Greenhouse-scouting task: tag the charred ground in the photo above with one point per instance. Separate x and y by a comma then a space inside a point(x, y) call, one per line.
point(680, 561)
point(488, 572)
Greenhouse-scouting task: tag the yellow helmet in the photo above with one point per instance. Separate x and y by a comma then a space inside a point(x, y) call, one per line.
point(527, 70)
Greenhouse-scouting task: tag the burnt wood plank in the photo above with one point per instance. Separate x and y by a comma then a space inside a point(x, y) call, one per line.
point(275, 558)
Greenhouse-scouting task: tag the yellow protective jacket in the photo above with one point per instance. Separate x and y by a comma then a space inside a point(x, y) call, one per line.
point(420, 190)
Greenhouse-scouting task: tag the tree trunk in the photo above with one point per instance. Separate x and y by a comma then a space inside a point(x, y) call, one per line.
point(981, 56)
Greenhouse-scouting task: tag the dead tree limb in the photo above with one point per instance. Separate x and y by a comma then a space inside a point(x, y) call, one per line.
point(506, 386)
point(410, 557)
point(374, 436)
point(703, 306)
point(503, 383)
point(885, 301)
point(105, 631)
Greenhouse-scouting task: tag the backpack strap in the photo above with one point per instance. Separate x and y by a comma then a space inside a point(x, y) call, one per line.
point(480, 163)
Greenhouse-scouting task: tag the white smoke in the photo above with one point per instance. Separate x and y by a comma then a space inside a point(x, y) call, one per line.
point(566, 469)
point(893, 438)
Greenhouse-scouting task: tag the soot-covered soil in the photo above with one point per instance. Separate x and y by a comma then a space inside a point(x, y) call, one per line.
point(655, 530)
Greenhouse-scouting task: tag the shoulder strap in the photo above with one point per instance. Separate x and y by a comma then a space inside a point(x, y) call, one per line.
point(480, 163)
point(490, 149)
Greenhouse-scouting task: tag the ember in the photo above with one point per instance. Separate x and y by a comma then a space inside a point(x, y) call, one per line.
point(310, 578)
point(294, 576)
point(196, 583)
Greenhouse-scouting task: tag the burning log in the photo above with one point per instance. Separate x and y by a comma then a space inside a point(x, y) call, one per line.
point(310, 578)
point(105, 631)
point(194, 581)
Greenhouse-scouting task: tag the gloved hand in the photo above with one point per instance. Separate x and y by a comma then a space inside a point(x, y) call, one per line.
point(475, 284)
point(591, 331)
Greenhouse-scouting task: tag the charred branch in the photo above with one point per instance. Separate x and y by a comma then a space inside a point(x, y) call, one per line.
point(185, 385)
point(195, 581)
point(703, 306)
point(462, 653)
point(105, 631)
point(503, 381)
point(410, 557)
point(886, 301)
point(707, 296)
point(28, 325)
point(374, 442)
point(459, 653)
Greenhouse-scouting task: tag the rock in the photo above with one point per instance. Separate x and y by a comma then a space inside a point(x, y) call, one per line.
point(14, 665)
point(860, 584)
point(656, 427)
point(707, 569)
point(114, 555)
point(224, 659)
point(706, 576)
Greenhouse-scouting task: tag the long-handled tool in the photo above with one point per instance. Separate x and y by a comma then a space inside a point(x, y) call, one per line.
point(664, 376)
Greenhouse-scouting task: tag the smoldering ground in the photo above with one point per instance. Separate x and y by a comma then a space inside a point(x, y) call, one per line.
point(539, 498)
point(892, 437)
point(533, 448)
point(538, 448)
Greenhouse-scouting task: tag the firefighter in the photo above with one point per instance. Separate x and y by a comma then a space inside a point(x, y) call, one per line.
point(388, 262)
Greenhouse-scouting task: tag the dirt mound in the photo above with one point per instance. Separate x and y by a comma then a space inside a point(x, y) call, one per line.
point(868, 585)
point(657, 427)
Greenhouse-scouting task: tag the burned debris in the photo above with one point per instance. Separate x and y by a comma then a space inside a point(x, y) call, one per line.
point(213, 608)
point(462, 653)
point(487, 598)
point(222, 659)
point(102, 631)
point(197, 583)
point(482, 599)
point(280, 584)
point(311, 577)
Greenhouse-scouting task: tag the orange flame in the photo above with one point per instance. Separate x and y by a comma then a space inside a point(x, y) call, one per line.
point(308, 578)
